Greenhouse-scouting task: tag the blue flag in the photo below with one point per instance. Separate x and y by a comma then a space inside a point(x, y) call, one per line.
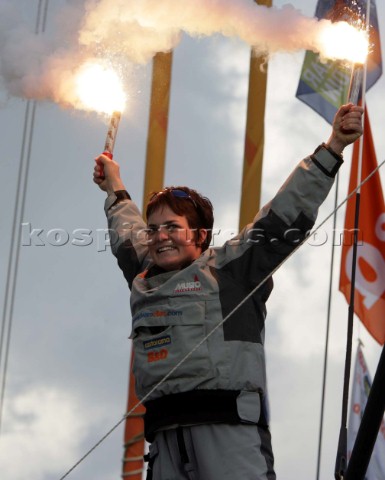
point(323, 86)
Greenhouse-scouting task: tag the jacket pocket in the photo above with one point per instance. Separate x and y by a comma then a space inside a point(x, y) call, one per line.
point(170, 346)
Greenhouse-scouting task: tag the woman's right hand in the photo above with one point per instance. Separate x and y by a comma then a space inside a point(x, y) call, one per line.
point(107, 174)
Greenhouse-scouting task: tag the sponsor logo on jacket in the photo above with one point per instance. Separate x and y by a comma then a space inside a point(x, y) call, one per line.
point(158, 314)
point(157, 342)
point(157, 356)
point(194, 286)
point(152, 347)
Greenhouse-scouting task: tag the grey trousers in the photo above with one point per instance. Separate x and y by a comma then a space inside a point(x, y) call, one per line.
point(212, 452)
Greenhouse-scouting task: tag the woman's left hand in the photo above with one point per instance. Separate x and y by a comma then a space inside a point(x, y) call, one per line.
point(347, 127)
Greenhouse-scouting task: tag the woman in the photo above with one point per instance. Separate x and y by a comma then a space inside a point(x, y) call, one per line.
point(206, 419)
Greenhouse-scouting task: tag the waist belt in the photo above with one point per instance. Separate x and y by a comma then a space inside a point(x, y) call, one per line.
point(194, 408)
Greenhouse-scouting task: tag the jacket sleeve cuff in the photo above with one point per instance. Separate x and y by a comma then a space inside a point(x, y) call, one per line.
point(115, 198)
point(327, 160)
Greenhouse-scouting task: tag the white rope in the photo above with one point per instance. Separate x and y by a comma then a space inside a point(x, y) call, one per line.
point(188, 355)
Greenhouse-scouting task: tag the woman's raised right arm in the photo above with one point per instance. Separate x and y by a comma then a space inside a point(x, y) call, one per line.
point(125, 222)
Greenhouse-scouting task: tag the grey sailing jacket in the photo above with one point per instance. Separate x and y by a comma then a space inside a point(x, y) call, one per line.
point(179, 314)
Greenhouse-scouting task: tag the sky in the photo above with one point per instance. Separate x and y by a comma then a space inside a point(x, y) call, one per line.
point(69, 351)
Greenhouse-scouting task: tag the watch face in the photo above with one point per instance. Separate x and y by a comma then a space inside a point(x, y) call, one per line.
point(122, 194)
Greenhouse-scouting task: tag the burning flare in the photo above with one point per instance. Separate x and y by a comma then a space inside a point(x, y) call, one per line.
point(100, 89)
point(341, 41)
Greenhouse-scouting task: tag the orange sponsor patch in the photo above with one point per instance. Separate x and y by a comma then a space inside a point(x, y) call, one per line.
point(157, 355)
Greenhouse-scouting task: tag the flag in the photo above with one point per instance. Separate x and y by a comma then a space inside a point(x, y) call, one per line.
point(134, 442)
point(255, 136)
point(362, 383)
point(323, 86)
point(370, 274)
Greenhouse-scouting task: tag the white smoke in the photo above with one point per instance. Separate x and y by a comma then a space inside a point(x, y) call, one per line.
point(31, 66)
point(140, 29)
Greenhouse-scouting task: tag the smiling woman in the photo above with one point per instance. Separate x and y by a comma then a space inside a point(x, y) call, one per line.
point(184, 201)
point(198, 313)
point(173, 244)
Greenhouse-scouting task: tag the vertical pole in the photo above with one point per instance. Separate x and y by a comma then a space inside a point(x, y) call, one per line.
point(341, 459)
point(158, 124)
point(134, 442)
point(255, 136)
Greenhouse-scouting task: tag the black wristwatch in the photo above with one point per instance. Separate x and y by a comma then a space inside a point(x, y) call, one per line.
point(121, 195)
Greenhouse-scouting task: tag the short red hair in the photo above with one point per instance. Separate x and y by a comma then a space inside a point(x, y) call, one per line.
point(197, 209)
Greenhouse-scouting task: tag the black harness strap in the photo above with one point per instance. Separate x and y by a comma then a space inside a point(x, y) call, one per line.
point(182, 446)
point(150, 461)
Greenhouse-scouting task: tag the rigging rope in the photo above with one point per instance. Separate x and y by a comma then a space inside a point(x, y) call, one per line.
point(6, 325)
point(14, 255)
point(247, 297)
point(328, 316)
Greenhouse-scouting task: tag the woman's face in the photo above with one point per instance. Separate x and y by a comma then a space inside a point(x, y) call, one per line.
point(172, 243)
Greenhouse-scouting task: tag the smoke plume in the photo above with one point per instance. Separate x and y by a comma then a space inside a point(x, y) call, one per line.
point(140, 29)
point(44, 67)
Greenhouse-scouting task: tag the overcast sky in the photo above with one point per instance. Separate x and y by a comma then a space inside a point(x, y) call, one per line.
point(69, 352)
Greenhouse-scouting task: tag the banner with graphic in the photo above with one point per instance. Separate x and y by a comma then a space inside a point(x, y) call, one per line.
point(362, 383)
point(324, 85)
